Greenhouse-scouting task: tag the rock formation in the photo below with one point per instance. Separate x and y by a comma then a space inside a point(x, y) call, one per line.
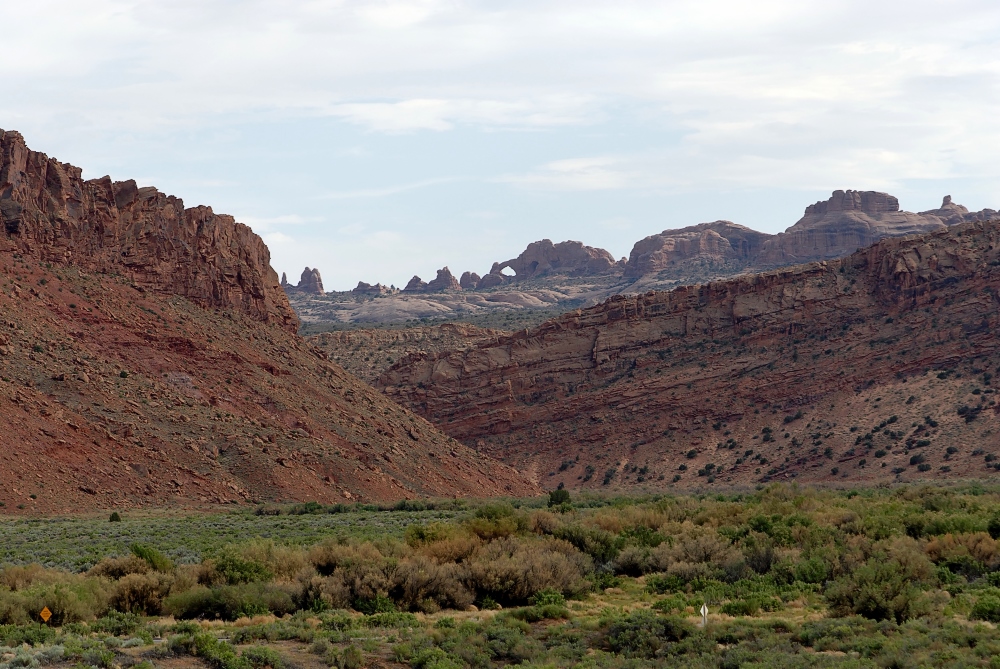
point(368, 289)
point(544, 257)
point(792, 367)
point(492, 280)
point(311, 282)
point(850, 220)
point(415, 285)
point(50, 213)
point(722, 244)
point(469, 280)
point(444, 281)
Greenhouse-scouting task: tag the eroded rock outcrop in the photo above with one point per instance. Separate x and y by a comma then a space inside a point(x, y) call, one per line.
point(719, 244)
point(711, 374)
point(444, 281)
point(311, 282)
point(368, 289)
point(850, 220)
point(51, 213)
point(469, 280)
point(569, 257)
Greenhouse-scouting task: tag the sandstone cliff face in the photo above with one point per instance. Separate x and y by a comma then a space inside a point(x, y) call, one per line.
point(850, 220)
point(49, 212)
point(640, 380)
point(720, 243)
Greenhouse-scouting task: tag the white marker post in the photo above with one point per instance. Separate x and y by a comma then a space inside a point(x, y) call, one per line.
point(704, 615)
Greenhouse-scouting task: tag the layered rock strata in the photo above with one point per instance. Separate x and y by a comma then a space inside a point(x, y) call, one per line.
point(51, 213)
point(773, 375)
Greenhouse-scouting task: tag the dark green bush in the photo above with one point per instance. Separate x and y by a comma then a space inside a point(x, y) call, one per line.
point(559, 497)
point(645, 634)
point(879, 590)
point(230, 602)
point(33, 634)
point(236, 570)
point(117, 624)
point(986, 608)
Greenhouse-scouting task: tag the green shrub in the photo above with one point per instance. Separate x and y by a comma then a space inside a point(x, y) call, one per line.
point(373, 605)
point(154, 558)
point(986, 608)
point(879, 590)
point(813, 570)
point(434, 658)
point(601, 545)
point(236, 570)
point(34, 634)
point(258, 657)
point(559, 497)
point(229, 602)
point(645, 634)
point(117, 624)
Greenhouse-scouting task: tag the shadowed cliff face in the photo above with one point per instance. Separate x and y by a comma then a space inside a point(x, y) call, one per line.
point(639, 380)
point(48, 211)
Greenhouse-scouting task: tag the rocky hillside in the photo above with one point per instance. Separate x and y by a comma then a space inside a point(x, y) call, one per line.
point(147, 358)
point(869, 368)
point(367, 353)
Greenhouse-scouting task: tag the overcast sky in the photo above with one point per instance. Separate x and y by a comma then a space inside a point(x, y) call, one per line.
point(377, 140)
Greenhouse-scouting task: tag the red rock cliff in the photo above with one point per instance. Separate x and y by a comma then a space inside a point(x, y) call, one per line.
point(639, 379)
point(50, 212)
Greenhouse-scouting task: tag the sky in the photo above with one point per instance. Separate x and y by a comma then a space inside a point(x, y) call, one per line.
point(378, 140)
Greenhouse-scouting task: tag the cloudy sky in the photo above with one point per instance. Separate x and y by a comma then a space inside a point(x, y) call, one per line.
point(377, 140)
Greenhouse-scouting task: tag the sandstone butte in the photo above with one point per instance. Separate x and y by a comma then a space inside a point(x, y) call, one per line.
point(828, 229)
point(148, 357)
point(876, 367)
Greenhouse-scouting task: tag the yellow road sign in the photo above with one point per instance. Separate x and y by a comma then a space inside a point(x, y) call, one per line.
point(45, 614)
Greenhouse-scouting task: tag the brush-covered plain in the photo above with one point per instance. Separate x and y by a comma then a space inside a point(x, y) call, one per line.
point(793, 577)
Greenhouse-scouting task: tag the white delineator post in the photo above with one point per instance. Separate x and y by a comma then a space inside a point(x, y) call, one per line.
point(704, 615)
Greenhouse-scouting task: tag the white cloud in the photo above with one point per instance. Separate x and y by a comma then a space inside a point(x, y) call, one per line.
point(618, 98)
point(597, 173)
point(386, 190)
